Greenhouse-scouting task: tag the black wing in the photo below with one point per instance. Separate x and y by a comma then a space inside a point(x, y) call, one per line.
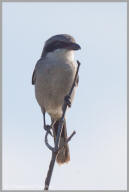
point(77, 80)
point(34, 77)
point(35, 69)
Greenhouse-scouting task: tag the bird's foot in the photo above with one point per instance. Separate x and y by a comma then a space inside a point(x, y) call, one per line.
point(68, 100)
point(47, 128)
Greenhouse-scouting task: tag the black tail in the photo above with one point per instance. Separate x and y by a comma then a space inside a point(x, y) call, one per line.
point(63, 155)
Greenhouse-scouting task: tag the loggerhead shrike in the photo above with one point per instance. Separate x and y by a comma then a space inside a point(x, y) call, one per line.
point(53, 77)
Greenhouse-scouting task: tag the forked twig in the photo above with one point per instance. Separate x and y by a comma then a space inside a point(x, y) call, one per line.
point(56, 148)
point(68, 139)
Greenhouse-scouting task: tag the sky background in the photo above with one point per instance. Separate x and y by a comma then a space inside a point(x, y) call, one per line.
point(98, 113)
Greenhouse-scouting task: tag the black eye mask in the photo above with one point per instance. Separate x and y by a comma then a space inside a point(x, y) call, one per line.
point(56, 45)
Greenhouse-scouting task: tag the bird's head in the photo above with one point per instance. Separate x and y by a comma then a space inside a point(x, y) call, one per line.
point(60, 42)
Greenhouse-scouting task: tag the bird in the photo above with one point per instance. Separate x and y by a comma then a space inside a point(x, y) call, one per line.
point(53, 77)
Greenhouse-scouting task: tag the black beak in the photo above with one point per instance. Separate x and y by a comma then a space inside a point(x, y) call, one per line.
point(74, 46)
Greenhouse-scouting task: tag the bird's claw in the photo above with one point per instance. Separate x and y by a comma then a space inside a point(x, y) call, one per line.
point(68, 100)
point(47, 128)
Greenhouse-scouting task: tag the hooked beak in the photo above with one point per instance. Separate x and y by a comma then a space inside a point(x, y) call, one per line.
point(74, 46)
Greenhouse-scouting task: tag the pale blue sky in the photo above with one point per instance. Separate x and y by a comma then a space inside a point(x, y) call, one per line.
point(98, 114)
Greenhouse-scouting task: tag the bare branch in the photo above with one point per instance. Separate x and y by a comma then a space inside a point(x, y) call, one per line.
point(70, 137)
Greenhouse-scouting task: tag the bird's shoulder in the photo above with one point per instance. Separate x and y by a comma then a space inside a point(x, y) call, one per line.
point(73, 67)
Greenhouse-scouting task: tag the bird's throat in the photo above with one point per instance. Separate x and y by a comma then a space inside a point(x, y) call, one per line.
point(61, 54)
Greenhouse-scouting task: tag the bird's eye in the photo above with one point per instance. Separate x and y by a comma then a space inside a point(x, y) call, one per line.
point(57, 43)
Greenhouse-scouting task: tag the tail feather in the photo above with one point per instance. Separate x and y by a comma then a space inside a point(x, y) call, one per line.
point(63, 155)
